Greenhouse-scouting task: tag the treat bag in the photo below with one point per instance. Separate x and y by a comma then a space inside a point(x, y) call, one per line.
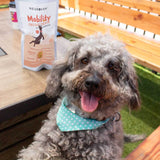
point(37, 20)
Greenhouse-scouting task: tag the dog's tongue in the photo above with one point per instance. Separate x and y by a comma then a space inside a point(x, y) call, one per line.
point(89, 102)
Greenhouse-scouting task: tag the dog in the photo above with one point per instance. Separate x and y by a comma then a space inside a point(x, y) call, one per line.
point(93, 83)
point(39, 37)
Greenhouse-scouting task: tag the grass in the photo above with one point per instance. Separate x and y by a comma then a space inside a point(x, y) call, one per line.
point(4, 6)
point(69, 37)
point(147, 119)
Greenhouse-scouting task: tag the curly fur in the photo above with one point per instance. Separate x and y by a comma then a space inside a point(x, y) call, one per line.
point(112, 66)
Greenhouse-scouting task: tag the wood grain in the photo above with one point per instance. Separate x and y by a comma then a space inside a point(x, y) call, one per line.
point(145, 52)
point(12, 152)
point(145, 5)
point(131, 17)
point(129, 38)
point(17, 83)
point(20, 131)
point(24, 116)
point(4, 2)
point(149, 149)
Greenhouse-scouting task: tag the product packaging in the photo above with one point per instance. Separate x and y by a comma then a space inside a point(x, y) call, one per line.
point(37, 20)
point(12, 9)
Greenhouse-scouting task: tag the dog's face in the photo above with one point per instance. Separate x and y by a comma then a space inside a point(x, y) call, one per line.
point(98, 77)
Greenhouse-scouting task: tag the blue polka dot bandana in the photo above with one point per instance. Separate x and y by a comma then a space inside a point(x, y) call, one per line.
point(69, 121)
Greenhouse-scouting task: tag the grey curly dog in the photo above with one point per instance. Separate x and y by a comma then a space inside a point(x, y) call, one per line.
point(96, 80)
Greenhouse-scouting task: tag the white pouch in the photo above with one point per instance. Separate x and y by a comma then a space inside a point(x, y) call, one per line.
point(37, 20)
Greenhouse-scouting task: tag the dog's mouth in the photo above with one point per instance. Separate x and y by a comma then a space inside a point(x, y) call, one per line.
point(89, 102)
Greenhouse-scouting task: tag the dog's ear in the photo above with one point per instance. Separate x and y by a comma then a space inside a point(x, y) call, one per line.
point(129, 79)
point(54, 86)
point(134, 98)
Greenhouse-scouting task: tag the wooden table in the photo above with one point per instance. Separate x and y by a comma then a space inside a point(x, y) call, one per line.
point(19, 86)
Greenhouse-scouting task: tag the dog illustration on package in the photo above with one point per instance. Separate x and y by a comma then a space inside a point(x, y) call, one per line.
point(38, 39)
point(38, 24)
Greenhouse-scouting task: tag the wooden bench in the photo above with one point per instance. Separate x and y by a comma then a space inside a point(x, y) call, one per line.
point(149, 149)
point(136, 23)
point(2, 2)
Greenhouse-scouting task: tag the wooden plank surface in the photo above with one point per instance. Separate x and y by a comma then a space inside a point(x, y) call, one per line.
point(4, 2)
point(131, 17)
point(80, 23)
point(20, 131)
point(145, 5)
point(149, 149)
point(146, 52)
point(17, 83)
point(24, 116)
point(12, 152)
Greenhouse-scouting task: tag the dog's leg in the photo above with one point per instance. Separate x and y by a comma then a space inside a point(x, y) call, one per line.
point(44, 146)
point(39, 151)
point(31, 42)
point(42, 37)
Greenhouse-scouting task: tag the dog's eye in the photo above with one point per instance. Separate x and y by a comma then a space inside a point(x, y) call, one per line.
point(114, 67)
point(111, 66)
point(84, 60)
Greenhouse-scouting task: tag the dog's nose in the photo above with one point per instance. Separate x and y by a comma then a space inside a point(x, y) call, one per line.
point(92, 82)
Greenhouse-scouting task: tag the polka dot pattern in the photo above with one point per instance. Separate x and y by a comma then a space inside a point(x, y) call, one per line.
point(69, 121)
